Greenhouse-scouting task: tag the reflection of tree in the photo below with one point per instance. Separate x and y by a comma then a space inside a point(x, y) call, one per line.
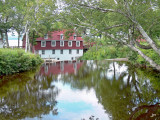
point(148, 112)
point(121, 92)
point(27, 96)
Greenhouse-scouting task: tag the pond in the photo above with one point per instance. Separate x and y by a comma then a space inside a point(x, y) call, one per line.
point(82, 90)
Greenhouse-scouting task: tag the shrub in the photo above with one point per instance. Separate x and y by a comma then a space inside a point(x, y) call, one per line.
point(15, 61)
point(105, 52)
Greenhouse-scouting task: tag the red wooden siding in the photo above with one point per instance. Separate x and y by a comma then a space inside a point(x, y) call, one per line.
point(49, 47)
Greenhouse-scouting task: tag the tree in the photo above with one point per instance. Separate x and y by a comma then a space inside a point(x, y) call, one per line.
point(26, 16)
point(39, 17)
point(121, 20)
point(6, 15)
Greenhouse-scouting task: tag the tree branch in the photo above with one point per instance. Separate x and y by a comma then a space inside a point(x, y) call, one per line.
point(142, 46)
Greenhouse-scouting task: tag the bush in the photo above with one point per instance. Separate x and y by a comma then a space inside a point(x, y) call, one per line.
point(15, 61)
point(105, 52)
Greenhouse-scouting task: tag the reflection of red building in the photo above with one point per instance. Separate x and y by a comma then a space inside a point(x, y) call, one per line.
point(60, 68)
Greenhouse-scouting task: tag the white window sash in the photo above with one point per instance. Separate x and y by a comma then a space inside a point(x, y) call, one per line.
point(75, 37)
point(61, 51)
point(46, 36)
point(52, 44)
point(61, 44)
point(69, 44)
point(42, 43)
point(43, 52)
point(61, 36)
point(70, 51)
point(77, 43)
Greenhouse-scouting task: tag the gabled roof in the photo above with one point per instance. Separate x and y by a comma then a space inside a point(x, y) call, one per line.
point(56, 36)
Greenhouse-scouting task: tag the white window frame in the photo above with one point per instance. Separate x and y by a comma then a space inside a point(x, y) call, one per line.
point(63, 43)
point(46, 36)
point(52, 44)
point(74, 36)
point(43, 53)
point(70, 51)
point(71, 43)
point(42, 43)
point(61, 51)
point(54, 51)
point(77, 51)
point(61, 37)
point(77, 42)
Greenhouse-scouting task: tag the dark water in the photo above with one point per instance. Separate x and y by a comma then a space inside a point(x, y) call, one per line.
point(79, 90)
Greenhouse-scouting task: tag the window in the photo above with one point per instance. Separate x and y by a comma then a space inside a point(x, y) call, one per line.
point(61, 43)
point(75, 66)
point(53, 51)
point(46, 36)
point(36, 52)
point(61, 51)
point(77, 43)
point(77, 51)
point(43, 43)
point(61, 36)
point(75, 36)
point(70, 51)
point(43, 52)
point(53, 43)
point(46, 69)
point(72, 58)
point(70, 43)
point(62, 66)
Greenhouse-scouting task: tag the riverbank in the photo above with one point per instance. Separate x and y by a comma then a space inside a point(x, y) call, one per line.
point(16, 61)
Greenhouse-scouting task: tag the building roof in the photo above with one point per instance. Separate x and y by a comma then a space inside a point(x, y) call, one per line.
point(56, 36)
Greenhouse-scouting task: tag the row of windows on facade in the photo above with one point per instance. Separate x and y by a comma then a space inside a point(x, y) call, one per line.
point(53, 43)
point(61, 36)
point(61, 51)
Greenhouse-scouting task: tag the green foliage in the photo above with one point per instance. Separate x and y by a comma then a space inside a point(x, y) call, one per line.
point(109, 52)
point(14, 61)
point(135, 58)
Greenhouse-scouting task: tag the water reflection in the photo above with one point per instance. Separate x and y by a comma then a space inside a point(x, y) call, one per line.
point(27, 96)
point(77, 90)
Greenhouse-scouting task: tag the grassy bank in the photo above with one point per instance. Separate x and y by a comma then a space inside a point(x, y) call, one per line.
point(112, 52)
point(103, 52)
point(15, 61)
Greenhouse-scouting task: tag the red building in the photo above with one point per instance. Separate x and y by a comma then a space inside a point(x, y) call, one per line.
point(55, 45)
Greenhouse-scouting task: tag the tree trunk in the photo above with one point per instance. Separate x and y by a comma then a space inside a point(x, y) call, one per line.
point(26, 47)
point(29, 47)
point(26, 32)
point(148, 39)
point(148, 59)
point(6, 36)
point(18, 38)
